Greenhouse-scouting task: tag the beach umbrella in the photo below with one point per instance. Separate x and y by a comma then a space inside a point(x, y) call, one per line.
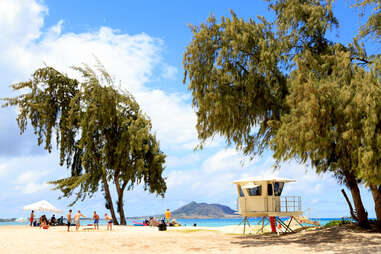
point(43, 206)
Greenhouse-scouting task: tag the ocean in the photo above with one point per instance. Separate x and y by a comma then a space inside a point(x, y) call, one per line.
point(185, 222)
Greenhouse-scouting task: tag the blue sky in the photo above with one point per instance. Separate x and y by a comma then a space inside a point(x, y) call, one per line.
point(141, 43)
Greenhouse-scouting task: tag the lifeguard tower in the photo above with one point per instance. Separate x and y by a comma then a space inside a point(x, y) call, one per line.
point(262, 197)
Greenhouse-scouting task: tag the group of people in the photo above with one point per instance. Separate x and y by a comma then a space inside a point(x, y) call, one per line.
point(45, 223)
point(167, 220)
point(96, 218)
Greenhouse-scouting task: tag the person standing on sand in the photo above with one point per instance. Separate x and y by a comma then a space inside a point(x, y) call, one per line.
point(68, 221)
point(77, 216)
point(31, 218)
point(96, 220)
point(109, 222)
point(167, 215)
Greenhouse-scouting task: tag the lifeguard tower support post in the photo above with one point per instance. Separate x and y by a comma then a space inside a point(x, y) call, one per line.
point(261, 197)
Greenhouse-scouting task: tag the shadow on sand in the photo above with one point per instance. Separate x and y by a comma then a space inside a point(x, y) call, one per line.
point(338, 240)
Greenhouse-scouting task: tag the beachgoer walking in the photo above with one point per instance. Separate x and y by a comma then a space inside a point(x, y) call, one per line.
point(31, 218)
point(167, 215)
point(77, 217)
point(109, 222)
point(96, 220)
point(68, 221)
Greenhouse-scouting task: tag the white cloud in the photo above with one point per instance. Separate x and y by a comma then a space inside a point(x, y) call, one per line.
point(32, 187)
point(30, 176)
point(169, 72)
point(172, 119)
point(20, 21)
point(3, 169)
point(190, 159)
point(31, 181)
point(227, 160)
point(129, 58)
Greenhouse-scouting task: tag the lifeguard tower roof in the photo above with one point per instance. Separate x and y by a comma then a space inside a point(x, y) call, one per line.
point(264, 179)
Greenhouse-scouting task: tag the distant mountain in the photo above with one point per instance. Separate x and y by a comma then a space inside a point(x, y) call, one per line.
point(204, 210)
point(8, 220)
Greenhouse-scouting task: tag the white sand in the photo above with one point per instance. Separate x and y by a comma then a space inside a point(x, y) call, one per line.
point(23, 239)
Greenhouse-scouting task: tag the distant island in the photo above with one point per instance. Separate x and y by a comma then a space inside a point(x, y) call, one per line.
point(8, 220)
point(195, 210)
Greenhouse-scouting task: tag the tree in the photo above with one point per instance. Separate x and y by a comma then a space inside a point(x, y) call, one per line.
point(329, 122)
point(101, 134)
point(250, 83)
point(372, 28)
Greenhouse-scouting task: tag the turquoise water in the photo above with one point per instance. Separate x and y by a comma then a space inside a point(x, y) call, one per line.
point(191, 222)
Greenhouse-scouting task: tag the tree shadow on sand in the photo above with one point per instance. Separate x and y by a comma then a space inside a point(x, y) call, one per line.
point(338, 240)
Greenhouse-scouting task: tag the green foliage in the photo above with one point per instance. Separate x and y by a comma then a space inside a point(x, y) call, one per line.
point(101, 133)
point(372, 28)
point(238, 70)
point(235, 80)
point(337, 223)
point(284, 85)
point(333, 121)
point(47, 107)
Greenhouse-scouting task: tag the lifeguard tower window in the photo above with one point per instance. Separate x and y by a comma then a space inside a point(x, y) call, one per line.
point(269, 189)
point(241, 192)
point(278, 187)
point(256, 191)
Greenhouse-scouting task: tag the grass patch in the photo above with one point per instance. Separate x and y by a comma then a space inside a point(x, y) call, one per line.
point(336, 223)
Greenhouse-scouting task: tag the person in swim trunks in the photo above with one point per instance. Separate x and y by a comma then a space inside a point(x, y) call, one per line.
point(96, 220)
point(68, 221)
point(109, 222)
point(77, 222)
point(31, 218)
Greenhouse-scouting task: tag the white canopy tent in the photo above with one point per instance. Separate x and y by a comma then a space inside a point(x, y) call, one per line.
point(43, 206)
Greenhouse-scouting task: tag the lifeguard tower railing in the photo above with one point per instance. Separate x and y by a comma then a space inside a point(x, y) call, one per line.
point(282, 204)
point(288, 204)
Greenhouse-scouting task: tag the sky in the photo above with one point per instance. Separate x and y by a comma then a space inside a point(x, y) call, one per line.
point(141, 44)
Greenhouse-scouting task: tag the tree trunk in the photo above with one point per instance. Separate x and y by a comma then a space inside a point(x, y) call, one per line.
point(109, 200)
point(120, 191)
point(362, 215)
point(121, 209)
point(376, 193)
point(353, 214)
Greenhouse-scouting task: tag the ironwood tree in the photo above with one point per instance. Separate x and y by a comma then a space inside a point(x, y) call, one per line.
point(101, 134)
point(283, 85)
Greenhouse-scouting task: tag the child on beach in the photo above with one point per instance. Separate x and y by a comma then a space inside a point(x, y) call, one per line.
point(96, 220)
point(77, 216)
point(109, 222)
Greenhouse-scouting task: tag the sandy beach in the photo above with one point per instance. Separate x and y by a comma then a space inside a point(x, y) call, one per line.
point(23, 239)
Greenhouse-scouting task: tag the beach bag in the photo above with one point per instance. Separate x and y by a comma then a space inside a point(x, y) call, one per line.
point(162, 226)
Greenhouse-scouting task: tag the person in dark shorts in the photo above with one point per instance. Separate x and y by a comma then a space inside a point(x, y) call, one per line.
point(96, 220)
point(68, 221)
point(109, 222)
